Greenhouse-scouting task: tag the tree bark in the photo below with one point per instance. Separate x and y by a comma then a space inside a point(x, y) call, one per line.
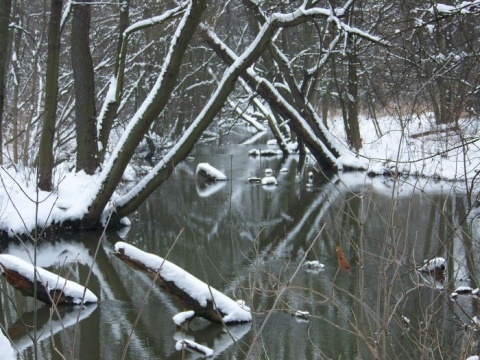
point(107, 119)
point(82, 64)
point(353, 127)
point(5, 9)
point(45, 152)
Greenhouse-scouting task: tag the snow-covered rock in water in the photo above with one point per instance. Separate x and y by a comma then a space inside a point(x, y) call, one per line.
point(314, 264)
point(302, 314)
point(74, 293)
point(268, 172)
point(193, 346)
point(463, 290)
point(210, 173)
point(283, 170)
point(436, 264)
point(268, 152)
point(269, 180)
point(254, 179)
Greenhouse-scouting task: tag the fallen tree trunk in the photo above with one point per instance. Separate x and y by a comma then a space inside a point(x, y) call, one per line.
point(435, 131)
point(49, 288)
point(192, 293)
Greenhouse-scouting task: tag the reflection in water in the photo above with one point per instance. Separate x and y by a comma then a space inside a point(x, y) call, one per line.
point(247, 241)
point(48, 324)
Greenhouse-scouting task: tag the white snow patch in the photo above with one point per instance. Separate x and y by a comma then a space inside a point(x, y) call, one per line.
point(6, 348)
point(181, 317)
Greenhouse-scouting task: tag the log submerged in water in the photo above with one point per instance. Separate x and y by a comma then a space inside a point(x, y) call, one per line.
point(192, 293)
point(50, 288)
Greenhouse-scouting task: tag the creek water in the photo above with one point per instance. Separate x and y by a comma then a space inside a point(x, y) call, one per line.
point(249, 241)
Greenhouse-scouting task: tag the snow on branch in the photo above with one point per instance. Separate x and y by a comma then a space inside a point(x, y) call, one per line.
point(465, 7)
point(155, 20)
point(51, 287)
point(193, 293)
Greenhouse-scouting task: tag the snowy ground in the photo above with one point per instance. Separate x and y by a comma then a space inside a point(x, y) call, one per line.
point(442, 154)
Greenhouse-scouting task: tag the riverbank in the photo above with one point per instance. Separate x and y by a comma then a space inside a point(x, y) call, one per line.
point(414, 147)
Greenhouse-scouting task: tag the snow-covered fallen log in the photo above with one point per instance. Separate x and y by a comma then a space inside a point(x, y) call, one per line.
point(51, 288)
point(193, 293)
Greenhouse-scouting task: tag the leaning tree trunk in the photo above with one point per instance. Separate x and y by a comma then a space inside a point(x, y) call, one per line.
point(319, 149)
point(82, 64)
point(5, 8)
point(238, 67)
point(147, 113)
point(45, 163)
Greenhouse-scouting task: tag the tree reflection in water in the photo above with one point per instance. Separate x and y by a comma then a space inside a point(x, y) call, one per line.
point(247, 242)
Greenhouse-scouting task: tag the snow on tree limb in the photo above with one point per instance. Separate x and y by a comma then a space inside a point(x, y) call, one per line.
point(142, 24)
point(154, 103)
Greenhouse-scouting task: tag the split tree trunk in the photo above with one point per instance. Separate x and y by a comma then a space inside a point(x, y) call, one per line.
point(85, 114)
point(45, 152)
point(5, 8)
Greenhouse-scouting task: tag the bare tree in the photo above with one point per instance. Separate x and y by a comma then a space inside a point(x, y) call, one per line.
point(85, 114)
point(5, 9)
point(45, 162)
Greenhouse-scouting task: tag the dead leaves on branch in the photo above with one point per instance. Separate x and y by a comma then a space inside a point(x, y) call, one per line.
point(342, 260)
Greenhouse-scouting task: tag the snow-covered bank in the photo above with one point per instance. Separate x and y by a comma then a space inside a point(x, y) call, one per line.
point(415, 147)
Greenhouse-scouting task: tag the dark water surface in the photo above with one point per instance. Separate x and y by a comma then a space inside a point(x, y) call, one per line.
point(248, 240)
